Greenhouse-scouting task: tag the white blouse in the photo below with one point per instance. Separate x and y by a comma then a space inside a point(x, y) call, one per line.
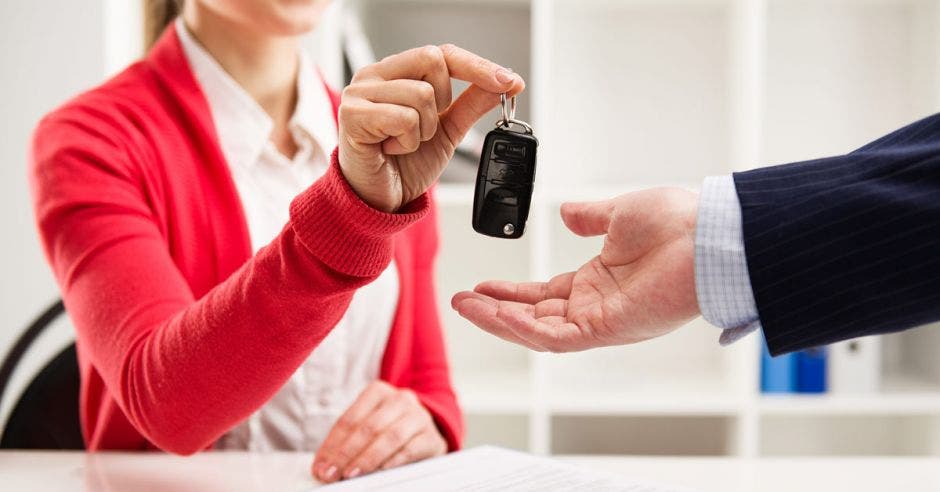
point(301, 414)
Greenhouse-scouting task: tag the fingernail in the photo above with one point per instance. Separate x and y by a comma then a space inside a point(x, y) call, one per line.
point(330, 473)
point(353, 473)
point(504, 76)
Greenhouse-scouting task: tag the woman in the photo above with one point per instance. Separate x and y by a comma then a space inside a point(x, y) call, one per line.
point(213, 307)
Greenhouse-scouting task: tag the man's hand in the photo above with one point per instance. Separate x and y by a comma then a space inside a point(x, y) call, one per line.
point(397, 126)
point(385, 427)
point(640, 287)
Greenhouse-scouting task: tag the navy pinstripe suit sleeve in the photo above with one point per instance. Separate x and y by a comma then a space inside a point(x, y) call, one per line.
point(846, 246)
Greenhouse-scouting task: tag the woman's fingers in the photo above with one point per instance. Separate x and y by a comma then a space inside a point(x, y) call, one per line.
point(396, 127)
point(368, 430)
point(480, 72)
point(326, 465)
point(415, 94)
point(394, 105)
point(470, 106)
point(424, 445)
point(436, 66)
point(388, 442)
point(487, 81)
point(426, 63)
point(378, 425)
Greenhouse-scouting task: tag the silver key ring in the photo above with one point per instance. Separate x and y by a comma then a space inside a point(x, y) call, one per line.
point(508, 123)
point(510, 113)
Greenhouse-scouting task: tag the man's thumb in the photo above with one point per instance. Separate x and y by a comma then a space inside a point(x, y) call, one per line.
point(587, 218)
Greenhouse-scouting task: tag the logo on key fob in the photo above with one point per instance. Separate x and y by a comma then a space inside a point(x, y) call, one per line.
point(505, 178)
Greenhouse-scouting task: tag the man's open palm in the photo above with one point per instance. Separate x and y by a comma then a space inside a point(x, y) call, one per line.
point(641, 286)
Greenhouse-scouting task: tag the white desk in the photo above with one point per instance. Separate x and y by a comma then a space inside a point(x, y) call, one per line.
point(232, 472)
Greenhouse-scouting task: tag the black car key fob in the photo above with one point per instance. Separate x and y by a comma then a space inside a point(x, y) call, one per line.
point(505, 178)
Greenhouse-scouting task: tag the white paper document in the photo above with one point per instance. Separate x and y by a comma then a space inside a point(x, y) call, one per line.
point(486, 469)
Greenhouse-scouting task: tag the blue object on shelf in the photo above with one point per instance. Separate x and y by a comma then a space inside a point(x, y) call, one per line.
point(811, 370)
point(777, 374)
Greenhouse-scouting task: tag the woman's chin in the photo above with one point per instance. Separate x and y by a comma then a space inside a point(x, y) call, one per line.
point(295, 21)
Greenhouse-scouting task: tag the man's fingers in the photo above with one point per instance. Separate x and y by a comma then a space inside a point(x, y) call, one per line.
point(540, 308)
point(481, 311)
point(588, 218)
point(528, 292)
point(559, 287)
point(481, 72)
point(556, 334)
point(488, 314)
point(426, 63)
point(551, 307)
point(545, 328)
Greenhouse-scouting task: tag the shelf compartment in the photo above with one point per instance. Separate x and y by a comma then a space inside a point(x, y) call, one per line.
point(509, 430)
point(640, 92)
point(608, 403)
point(653, 435)
point(484, 391)
point(849, 435)
point(909, 361)
point(685, 366)
point(840, 74)
point(886, 404)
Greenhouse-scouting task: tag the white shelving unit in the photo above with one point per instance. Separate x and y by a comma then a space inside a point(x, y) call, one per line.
point(635, 93)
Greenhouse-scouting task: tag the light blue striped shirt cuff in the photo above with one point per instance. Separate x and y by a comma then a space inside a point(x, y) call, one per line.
point(722, 284)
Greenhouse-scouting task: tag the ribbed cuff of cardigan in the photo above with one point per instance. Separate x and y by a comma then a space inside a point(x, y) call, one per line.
point(344, 232)
point(447, 423)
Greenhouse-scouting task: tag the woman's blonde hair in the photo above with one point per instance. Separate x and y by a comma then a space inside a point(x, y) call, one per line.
point(157, 15)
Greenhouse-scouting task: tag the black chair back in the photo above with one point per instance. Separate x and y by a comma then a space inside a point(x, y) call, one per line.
point(46, 414)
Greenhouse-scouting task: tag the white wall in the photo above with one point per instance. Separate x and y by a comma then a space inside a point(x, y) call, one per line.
point(49, 50)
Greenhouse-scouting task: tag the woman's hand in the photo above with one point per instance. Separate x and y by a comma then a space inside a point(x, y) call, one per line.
point(385, 427)
point(397, 126)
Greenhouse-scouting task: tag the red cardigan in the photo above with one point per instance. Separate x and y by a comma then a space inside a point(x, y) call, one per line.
point(181, 332)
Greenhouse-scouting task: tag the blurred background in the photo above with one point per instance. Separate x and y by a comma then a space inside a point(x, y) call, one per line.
point(623, 94)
